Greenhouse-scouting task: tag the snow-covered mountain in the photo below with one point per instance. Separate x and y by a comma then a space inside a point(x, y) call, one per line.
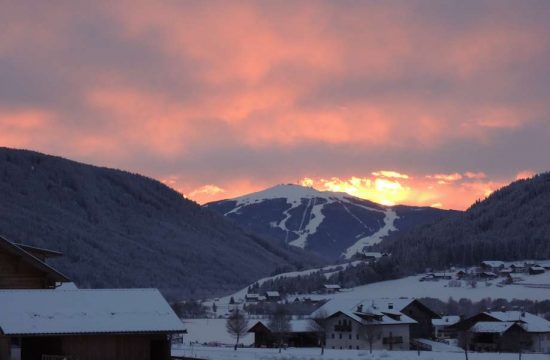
point(331, 224)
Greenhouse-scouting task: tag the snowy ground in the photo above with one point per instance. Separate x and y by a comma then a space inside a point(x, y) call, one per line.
point(220, 353)
point(534, 287)
point(211, 331)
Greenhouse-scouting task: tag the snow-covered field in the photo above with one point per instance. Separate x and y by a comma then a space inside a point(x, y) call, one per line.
point(212, 331)
point(534, 287)
point(220, 353)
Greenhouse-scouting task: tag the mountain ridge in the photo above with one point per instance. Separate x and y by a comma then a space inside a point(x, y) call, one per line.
point(298, 214)
point(118, 229)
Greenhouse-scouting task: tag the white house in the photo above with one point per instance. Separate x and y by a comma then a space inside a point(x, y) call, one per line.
point(382, 323)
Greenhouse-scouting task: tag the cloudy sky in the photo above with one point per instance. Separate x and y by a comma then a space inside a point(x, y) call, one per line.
point(418, 102)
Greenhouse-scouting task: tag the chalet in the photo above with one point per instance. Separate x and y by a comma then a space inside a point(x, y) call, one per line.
point(331, 288)
point(505, 331)
point(302, 333)
point(410, 313)
point(24, 267)
point(43, 315)
point(492, 265)
point(436, 276)
point(87, 324)
point(272, 296)
point(514, 278)
point(487, 275)
point(518, 268)
point(251, 298)
point(505, 272)
point(535, 270)
point(366, 326)
point(442, 327)
point(374, 256)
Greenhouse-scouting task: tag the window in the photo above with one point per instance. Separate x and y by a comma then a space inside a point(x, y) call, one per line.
point(357, 347)
point(357, 336)
point(350, 336)
point(333, 347)
point(340, 336)
point(333, 335)
point(349, 347)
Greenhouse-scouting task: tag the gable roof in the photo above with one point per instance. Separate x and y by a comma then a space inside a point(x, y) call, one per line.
point(47, 312)
point(33, 250)
point(32, 260)
point(296, 326)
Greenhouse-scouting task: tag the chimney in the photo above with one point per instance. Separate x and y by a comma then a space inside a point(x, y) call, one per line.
point(360, 308)
point(390, 306)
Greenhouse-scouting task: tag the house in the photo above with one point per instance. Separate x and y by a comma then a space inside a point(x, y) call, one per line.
point(87, 324)
point(436, 276)
point(406, 312)
point(442, 327)
point(545, 265)
point(302, 333)
point(518, 268)
point(492, 265)
point(505, 272)
point(251, 298)
point(514, 278)
point(272, 296)
point(24, 267)
point(43, 314)
point(331, 288)
point(505, 331)
point(364, 327)
point(487, 275)
point(374, 256)
point(535, 270)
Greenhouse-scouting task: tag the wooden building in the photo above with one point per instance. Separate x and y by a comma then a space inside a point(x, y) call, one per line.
point(24, 267)
point(133, 324)
point(301, 334)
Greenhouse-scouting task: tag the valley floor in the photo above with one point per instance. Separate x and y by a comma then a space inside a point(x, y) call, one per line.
point(227, 353)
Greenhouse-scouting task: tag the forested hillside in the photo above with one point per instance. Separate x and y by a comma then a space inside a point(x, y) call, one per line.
point(512, 223)
point(118, 229)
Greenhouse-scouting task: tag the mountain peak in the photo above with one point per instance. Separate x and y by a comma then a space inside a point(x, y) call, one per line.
point(292, 192)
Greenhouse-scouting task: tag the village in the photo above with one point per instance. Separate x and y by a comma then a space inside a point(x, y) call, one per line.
point(45, 316)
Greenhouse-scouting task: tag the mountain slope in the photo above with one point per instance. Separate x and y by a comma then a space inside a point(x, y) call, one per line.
point(327, 223)
point(118, 229)
point(512, 223)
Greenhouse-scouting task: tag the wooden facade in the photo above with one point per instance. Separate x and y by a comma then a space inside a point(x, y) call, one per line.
point(19, 269)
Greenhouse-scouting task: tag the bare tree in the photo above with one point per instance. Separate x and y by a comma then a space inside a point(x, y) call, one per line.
point(279, 324)
point(370, 331)
point(318, 325)
point(237, 325)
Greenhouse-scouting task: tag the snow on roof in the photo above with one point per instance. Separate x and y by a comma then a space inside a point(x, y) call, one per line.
point(536, 267)
point(446, 320)
point(332, 286)
point(531, 323)
point(493, 263)
point(38, 312)
point(67, 286)
point(296, 326)
point(353, 308)
point(497, 327)
point(376, 255)
point(272, 293)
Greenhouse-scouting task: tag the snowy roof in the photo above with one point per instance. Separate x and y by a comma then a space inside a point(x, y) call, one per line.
point(531, 323)
point(498, 327)
point(252, 296)
point(376, 255)
point(39, 312)
point(332, 286)
point(493, 263)
point(272, 293)
point(297, 326)
point(384, 307)
point(539, 268)
point(446, 320)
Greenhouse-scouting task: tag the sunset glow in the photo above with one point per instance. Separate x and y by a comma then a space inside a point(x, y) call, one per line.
point(423, 103)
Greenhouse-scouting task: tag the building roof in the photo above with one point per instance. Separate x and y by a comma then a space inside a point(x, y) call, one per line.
point(296, 326)
point(43, 312)
point(446, 320)
point(530, 322)
point(32, 260)
point(37, 250)
point(493, 263)
point(332, 286)
point(493, 327)
point(272, 294)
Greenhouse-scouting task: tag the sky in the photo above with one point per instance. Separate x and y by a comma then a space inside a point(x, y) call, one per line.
point(433, 103)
